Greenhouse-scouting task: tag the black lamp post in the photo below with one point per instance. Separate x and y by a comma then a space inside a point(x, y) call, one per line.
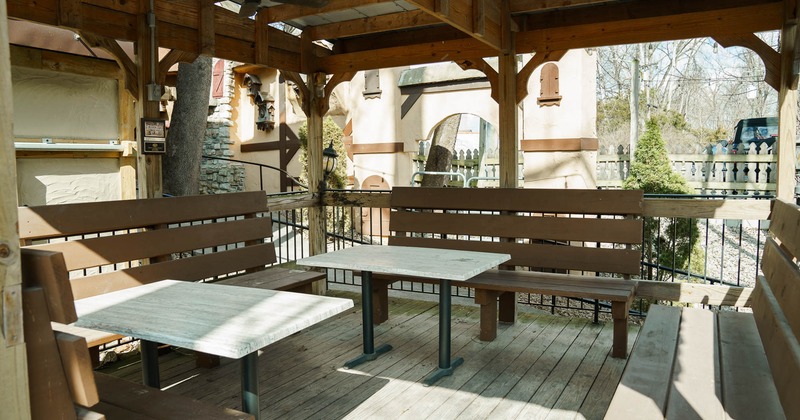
point(329, 156)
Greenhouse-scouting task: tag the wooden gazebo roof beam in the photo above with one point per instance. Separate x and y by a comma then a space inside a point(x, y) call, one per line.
point(413, 37)
point(640, 21)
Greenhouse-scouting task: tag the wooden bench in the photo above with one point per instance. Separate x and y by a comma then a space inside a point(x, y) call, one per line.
point(697, 363)
point(107, 245)
point(548, 233)
point(60, 378)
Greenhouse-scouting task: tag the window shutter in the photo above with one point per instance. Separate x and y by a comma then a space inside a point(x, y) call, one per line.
point(217, 76)
point(549, 94)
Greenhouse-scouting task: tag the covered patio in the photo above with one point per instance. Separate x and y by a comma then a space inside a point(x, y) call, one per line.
point(566, 370)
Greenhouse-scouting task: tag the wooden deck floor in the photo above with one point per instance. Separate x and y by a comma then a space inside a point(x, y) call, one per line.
point(540, 367)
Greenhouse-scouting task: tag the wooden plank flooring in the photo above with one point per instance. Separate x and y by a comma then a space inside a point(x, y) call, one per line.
point(540, 367)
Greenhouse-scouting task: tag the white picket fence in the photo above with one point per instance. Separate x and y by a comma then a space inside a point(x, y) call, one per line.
point(717, 169)
point(467, 163)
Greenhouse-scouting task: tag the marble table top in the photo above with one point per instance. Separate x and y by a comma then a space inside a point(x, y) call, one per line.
point(410, 261)
point(223, 320)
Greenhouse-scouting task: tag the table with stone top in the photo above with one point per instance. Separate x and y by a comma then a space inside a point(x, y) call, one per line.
point(442, 264)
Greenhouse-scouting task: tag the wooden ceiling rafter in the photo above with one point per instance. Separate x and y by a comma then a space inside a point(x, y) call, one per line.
point(414, 36)
point(287, 12)
point(206, 29)
point(478, 18)
point(372, 25)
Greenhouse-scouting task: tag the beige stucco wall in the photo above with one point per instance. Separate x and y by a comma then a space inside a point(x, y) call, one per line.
point(378, 120)
point(62, 105)
point(574, 118)
point(59, 181)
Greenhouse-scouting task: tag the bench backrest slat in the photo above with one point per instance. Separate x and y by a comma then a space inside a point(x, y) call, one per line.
point(94, 252)
point(541, 256)
point(106, 243)
point(785, 225)
point(85, 218)
point(612, 202)
point(624, 231)
point(584, 230)
point(191, 269)
point(775, 304)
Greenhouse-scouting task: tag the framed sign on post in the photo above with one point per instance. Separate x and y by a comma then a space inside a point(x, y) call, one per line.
point(154, 136)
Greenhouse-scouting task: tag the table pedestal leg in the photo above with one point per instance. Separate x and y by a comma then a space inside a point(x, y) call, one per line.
point(150, 376)
point(446, 366)
point(250, 384)
point(370, 352)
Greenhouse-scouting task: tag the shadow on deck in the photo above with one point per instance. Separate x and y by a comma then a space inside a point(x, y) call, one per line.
point(540, 367)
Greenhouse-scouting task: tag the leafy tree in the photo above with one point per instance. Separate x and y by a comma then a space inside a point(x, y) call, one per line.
point(342, 221)
point(674, 241)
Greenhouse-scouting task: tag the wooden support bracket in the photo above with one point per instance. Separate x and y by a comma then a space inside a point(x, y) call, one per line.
point(125, 62)
point(525, 73)
point(770, 57)
point(173, 57)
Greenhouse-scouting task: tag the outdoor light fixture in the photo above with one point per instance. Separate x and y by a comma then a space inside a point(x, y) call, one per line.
point(329, 156)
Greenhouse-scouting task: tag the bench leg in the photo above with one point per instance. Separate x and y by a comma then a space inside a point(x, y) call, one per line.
point(380, 302)
point(488, 301)
point(619, 312)
point(508, 307)
point(94, 356)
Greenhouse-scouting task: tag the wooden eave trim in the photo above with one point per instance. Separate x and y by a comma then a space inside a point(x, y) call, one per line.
point(373, 25)
point(559, 145)
point(734, 21)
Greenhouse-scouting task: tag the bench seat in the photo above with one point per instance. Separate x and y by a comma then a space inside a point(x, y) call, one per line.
point(695, 363)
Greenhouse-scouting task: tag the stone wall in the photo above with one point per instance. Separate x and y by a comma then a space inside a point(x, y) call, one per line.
point(219, 176)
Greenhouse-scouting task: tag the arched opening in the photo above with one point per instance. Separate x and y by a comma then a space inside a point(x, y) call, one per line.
point(465, 147)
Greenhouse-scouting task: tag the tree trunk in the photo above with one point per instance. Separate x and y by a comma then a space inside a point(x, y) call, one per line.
point(440, 157)
point(187, 128)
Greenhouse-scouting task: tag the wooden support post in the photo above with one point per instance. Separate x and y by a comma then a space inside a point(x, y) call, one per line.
point(316, 214)
point(509, 136)
point(787, 109)
point(149, 165)
point(127, 137)
point(13, 367)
